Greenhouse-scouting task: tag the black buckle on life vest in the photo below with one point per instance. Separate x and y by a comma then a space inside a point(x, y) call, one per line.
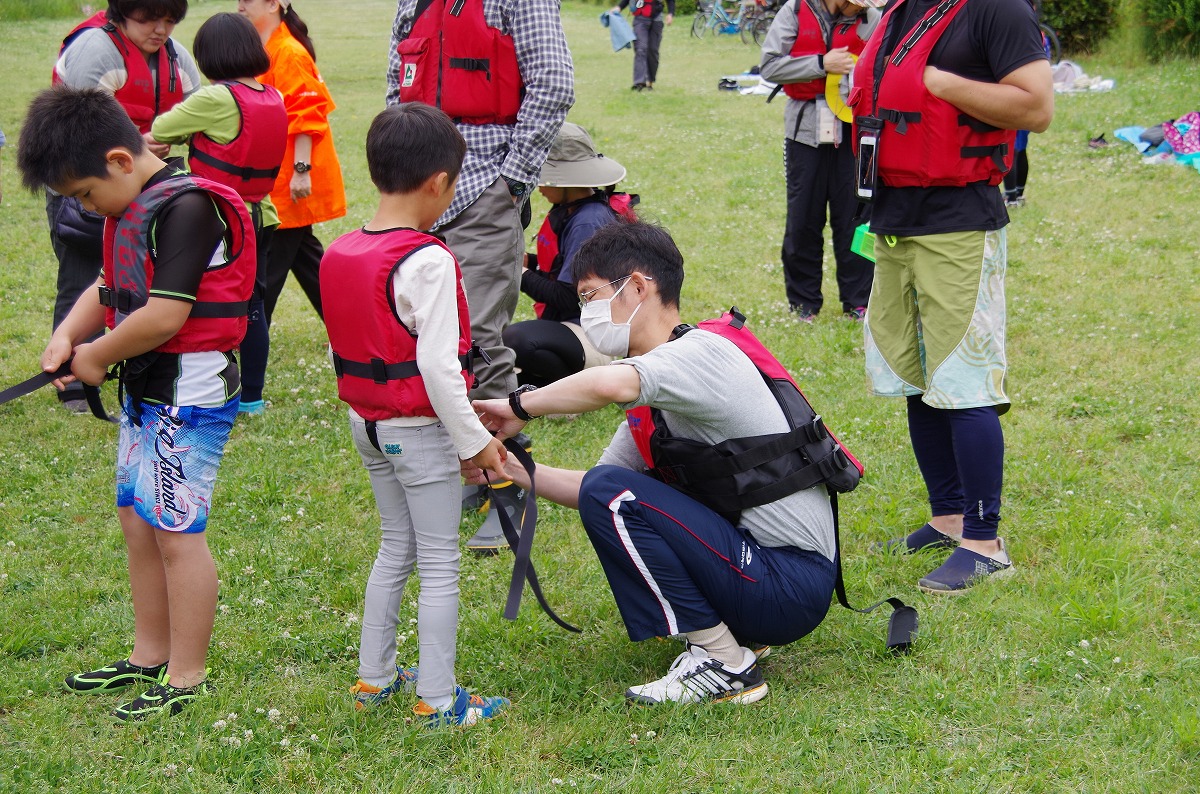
point(816, 430)
point(901, 118)
point(473, 65)
point(997, 153)
point(379, 371)
point(119, 299)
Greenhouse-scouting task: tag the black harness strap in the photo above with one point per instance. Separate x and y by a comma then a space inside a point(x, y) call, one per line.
point(996, 152)
point(523, 545)
point(90, 393)
point(381, 372)
point(236, 170)
point(125, 302)
point(902, 625)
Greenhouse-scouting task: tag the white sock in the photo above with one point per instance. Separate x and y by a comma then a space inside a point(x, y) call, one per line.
point(441, 704)
point(720, 644)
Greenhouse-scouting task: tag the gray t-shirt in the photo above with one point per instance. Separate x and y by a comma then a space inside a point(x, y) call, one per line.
point(709, 390)
point(91, 60)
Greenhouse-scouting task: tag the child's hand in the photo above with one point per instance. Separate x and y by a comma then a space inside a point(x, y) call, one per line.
point(491, 459)
point(56, 352)
point(88, 367)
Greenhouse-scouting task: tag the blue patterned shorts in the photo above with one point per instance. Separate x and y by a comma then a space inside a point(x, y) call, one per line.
point(167, 467)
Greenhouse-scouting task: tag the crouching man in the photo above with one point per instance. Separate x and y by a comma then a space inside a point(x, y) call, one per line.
point(675, 565)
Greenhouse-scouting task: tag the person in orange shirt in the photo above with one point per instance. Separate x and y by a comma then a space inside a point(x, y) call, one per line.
point(309, 187)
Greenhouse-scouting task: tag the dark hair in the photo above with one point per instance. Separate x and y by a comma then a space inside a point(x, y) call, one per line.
point(410, 142)
point(618, 249)
point(227, 47)
point(67, 132)
point(144, 10)
point(299, 30)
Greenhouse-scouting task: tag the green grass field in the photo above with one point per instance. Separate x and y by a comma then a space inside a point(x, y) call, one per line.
point(1078, 674)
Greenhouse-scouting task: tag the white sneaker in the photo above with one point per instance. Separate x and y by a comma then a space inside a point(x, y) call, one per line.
point(696, 677)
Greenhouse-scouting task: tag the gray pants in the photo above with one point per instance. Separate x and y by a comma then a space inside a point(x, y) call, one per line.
point(649, 31)
point(417, 492)
point(487, 240)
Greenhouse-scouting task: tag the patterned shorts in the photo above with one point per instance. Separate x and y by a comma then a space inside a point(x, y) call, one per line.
point(167, 467)
point(936, 322)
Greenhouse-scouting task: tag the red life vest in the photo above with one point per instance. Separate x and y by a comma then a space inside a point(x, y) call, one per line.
point(811, 39)
point(747, 472)
point(218, 318)
point(146, 92)
point(645, 8)
point(250, 162)
point(549, 260)
point(453, 60)
point(925, 141)
point(374, 353)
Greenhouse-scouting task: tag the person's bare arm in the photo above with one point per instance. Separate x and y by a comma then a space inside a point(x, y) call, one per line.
point(1022, 100)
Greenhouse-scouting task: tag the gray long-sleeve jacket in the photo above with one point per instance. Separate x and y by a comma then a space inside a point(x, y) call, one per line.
point(800, 118)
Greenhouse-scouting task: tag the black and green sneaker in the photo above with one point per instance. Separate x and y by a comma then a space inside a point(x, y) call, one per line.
point(161, 698)
point(117, 675)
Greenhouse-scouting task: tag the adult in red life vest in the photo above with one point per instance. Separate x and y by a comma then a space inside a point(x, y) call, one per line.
point(810, 42)
point(675, 565)
point(940, 88)
point(578, 181)
point(127, 51)
point(502, 71)
point(648, 22)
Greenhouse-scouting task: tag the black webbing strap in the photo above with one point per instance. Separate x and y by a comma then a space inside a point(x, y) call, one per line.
point(124, 301)
point(522, 545)
point(245, 173)
point(996, 152)
point(902, 625)
point(472, 65)
point(380, 372)
point(373, 435)
point(901, 118)
point(90, 393)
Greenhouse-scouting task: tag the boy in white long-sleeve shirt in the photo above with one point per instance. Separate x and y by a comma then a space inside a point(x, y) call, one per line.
point(401, 342)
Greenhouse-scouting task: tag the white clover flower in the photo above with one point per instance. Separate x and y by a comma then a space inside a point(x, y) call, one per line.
point(220, 725)
point(249, 734)
point(1070, 653)
point(260, 710)
point(299, 511)
point(284, 742)
point(351, 619)
point(649, 735)
point(258, 602)
point(557, 781)
point(232, 716)
point(1116, 660)
point(312, 737)
point(248, 570)
point(1084, 644)
point(169, 770)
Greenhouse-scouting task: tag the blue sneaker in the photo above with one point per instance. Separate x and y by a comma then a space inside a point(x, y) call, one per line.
point(467, 709)
point(964, 569)
point(924, 539)
point(366, 695)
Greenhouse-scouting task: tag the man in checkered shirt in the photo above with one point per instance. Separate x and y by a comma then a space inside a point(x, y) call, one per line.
point(483, 224)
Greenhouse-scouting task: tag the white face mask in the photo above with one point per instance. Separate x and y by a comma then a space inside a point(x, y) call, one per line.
point(611, 339)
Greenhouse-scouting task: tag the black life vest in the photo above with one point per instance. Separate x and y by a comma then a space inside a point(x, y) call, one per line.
point(740, 473)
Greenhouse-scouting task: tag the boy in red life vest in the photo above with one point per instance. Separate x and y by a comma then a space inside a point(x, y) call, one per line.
point(179, 266)
point(674, 564)
point(400, 339)
point(810, 42)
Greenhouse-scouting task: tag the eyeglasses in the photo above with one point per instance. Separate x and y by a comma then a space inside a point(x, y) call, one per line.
point(584, 297)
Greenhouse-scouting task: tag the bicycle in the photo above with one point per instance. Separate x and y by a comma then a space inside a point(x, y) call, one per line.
point(713, 16)
point(758, 20)
point(1049, 37)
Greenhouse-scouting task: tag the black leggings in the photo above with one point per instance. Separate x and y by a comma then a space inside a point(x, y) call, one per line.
point(546, 351)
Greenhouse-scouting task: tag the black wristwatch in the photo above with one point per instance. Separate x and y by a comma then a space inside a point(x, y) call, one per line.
point(516, 188)
point(514, 402)
point(301, 167)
